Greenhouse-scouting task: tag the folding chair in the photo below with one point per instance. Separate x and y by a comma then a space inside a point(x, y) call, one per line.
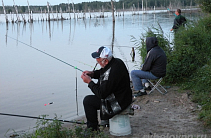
point(157, 84)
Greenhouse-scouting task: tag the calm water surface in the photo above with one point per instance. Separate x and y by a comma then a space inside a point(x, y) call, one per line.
point(30, 79)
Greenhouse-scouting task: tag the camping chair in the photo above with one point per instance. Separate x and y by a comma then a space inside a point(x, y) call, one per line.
point(157, 84)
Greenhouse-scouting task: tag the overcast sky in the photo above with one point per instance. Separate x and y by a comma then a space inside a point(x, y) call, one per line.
point(44, 2)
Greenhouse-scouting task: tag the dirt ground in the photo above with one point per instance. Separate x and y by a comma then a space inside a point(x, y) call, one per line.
point(172, 115)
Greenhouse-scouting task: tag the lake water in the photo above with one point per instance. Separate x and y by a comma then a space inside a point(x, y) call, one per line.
point(30, 79)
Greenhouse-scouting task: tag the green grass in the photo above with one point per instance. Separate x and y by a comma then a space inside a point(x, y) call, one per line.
point(54, 129)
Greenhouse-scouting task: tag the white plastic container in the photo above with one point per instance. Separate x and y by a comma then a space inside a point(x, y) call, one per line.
point(119, 125)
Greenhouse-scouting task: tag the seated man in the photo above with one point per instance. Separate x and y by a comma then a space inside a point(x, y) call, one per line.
point(154, 67)
point(113, 83)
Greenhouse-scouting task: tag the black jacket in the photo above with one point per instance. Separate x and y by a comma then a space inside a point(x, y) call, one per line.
point(179, 21)
point(113, 78)
point(156, 60)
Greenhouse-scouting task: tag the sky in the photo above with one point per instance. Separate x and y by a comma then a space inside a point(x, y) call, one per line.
point(43, 2)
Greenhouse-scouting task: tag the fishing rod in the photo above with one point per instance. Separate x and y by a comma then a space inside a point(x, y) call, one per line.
point(24, 116)
point(45, 53)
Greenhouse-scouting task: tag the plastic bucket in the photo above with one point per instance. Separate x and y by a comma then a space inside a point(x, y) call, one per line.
point(119, 125)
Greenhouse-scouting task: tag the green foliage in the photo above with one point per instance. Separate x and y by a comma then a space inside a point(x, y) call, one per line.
point(23, 9)
point(54, 129)
point(189, 62)
point(191, 50)
point(9, 11)
point(200, 84)
point(205, 5)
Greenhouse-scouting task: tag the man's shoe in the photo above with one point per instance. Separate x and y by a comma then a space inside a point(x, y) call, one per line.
point(135, 91)
point(148, 88)
point(140, 94)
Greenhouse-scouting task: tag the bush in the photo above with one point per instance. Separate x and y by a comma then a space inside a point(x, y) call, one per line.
point(53, 129)
point(191, 51)
point(200, 84)
point(189, 63)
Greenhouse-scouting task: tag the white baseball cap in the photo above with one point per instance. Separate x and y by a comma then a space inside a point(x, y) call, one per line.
point(102, 52)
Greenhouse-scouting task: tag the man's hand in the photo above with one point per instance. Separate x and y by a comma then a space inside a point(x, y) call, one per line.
point(89, 73)
point(85, 77)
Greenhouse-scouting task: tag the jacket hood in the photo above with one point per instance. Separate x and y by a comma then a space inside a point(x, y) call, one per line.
point(151, 42)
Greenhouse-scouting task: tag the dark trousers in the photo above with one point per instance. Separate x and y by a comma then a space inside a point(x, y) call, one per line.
point(91, 105)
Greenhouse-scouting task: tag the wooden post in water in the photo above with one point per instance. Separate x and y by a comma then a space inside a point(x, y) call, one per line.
point(6, 18)
point(73, 9)
point(61, 13)
point(90, 14)
point(69, 9)
point(112, 6)
point(46, 16)
point(52, 12)
point(113, 36)
point(102, 15)
point(23, 17)
point(146, 5)
point(57, 14)
point(41, 14)
point(132, 53)
point(30, 19)
point(133, 10)
point(123, 5)
point(12, 17)
point(16, 9)
point(48, 11)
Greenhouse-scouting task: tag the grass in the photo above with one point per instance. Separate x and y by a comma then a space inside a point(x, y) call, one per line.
point(53, 129)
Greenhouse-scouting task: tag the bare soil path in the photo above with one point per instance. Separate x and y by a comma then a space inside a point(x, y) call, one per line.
point(165, 116)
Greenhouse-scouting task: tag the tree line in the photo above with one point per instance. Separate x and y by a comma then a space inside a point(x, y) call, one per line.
point(105, 6)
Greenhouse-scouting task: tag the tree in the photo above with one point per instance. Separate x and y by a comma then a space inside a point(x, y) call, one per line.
point(23, 9)
point(9, 10)
point(205, 5)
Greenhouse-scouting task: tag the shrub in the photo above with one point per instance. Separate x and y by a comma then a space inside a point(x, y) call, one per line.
point(191, 50)
point(189, 63)
point(200, 84)
point(53, 129)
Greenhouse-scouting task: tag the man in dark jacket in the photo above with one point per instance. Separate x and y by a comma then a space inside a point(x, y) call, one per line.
point(154, 67)
point(179, 20)
point(113, 81)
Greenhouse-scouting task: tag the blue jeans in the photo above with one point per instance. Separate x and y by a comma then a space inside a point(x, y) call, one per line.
point(138, 77)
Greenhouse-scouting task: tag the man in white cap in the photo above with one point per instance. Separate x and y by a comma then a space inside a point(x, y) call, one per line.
point(113, 86)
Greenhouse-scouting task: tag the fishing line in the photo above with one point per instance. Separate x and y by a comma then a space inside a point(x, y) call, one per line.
point(76, 122)
point(116, 46)
point(56, 59)
point(45, 53)
point(84, 63)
